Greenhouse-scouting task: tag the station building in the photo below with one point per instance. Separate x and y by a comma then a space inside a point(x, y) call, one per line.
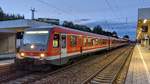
point(143, 27)
point(7, 41)
point(7, 44)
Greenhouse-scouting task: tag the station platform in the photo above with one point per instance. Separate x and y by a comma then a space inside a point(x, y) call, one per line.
point(5, 62)
point(7, 56)
point(139, 69)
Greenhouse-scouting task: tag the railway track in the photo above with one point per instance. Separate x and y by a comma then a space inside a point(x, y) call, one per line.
point(72, 74)
point(9, 72)
point(108, 73)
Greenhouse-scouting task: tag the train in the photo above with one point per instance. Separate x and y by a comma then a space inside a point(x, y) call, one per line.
point(57, 45)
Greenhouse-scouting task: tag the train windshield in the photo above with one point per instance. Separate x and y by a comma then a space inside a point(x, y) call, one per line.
point(36, 37)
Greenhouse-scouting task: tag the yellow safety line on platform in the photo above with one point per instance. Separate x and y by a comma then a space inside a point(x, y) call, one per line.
point(145, 65)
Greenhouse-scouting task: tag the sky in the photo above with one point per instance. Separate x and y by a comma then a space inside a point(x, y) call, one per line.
point(78, 11)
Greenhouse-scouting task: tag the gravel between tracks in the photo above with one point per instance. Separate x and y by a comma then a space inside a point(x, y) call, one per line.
point(77, 74)
point(71, 75)
point(109, 73)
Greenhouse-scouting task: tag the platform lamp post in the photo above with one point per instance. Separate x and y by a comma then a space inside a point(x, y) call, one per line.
point(145, 29)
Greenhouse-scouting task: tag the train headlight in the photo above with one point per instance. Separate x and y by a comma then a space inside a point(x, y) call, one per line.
point(22, 54)
point(32, 46)
point(42, 55)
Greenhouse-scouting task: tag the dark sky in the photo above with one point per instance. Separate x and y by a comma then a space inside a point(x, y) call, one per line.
point(79, 11)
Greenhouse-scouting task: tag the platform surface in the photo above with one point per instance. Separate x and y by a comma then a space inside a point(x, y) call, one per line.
point(6, 56)
point(4, 62)
point(139, 69)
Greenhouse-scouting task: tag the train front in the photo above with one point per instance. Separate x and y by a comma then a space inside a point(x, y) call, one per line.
point(33, 50)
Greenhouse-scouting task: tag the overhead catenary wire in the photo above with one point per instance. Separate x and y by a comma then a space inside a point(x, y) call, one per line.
point(52, 6)
point(111, 8)
point(114, 14)
point(120, 13)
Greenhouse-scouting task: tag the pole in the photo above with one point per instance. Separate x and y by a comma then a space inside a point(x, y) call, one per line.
point(32, 13)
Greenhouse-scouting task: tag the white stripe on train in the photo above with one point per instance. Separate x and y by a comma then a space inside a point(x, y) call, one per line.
point(72, 54)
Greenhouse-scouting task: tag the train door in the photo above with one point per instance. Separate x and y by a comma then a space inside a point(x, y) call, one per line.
point(63, 47)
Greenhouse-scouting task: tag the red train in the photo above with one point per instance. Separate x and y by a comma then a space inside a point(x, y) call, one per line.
point(57, 45)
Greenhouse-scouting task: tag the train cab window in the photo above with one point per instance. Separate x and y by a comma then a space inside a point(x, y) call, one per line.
point(63, 41)
point(56, 41)
point(73, 41)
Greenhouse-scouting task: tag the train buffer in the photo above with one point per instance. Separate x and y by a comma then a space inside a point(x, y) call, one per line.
point(139, 69)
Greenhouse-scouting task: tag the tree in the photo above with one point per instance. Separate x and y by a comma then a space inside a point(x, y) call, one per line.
point(1, 14)
point(5, 16)
point(98, 30)
point(126, 37)
point(76, 26)
point(114, 34)
point(87, 29)
point(68, 24)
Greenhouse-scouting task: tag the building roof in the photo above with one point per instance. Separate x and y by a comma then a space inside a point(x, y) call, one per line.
point(144, 13)
point(7, 31)
point(22, 23)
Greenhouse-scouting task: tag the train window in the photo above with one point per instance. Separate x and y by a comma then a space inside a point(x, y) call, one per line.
point(96, 41)
point(93, 42)
point(89, 41)
point(56, 41)
point(73, 41)
point(84, 41)
point(100, 41)
point(104, 41)
point(80, 41)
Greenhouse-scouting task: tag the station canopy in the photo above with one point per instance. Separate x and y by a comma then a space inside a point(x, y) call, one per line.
point(21, 24)
point(143, 13)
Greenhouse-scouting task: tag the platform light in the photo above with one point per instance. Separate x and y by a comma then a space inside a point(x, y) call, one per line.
point(36, 32)
point(145, 20)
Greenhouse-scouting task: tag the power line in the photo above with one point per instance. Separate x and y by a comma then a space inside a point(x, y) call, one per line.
point(120, 13)
point(109, 6)
point(114, 13)
point(50, 5)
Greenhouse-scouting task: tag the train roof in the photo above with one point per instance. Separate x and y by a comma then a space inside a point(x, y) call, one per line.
point(69, 29)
